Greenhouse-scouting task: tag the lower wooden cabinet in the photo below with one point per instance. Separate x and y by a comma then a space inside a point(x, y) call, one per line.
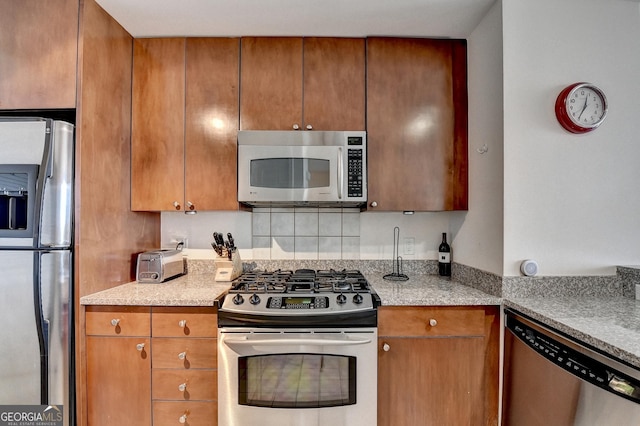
point(438, 366)
point(118, 348)
point(151, 366)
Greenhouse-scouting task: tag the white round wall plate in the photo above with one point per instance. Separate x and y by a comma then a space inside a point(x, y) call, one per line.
point(529, 268)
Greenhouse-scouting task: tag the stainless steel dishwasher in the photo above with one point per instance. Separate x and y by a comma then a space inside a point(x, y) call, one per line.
point(551, 380)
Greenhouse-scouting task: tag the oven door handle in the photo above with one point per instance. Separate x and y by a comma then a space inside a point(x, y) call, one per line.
point(292, 341)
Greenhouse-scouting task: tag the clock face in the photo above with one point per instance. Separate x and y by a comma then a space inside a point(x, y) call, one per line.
point(581, 107)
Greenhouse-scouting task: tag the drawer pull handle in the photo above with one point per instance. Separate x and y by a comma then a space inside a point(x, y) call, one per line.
point(140, 347)
point(115, 322)
point(182, 323)
point(433, 322)
point(386, 347)
point(182, 387)
point(182, 355)
point(183, 418)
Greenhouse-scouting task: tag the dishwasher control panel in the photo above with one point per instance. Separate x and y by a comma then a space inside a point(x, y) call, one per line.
point(575, 362)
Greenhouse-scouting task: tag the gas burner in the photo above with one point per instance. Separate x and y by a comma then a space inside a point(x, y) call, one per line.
point(301, 281)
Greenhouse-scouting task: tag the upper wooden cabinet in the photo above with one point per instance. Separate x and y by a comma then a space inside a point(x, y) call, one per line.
point(306, 83)
point(417, 124)
point(38, 54)
point(184, 124)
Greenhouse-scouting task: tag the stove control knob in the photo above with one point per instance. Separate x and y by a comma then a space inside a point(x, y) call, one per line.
point(357, 299)
point(238, 299)
point(341, 299)
point(254, 299)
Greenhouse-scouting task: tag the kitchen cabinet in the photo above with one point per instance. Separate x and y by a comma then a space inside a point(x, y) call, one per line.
point(151, 366)
point(118, 353)
point(184, 373)
point(184, 124)
point(38, 54)
point(312, 83)
point(417, 124)
point(438, 365)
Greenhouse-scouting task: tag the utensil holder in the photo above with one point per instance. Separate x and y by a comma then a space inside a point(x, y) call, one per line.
point(228, 270)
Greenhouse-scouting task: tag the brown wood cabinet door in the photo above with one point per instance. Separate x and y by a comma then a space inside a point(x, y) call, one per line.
point(118, 381)
point(430, 381)
point(157, 139)
point(417, 124)
point(334, 83)
point(271, 83)
point(212, 120)
point(38, 54)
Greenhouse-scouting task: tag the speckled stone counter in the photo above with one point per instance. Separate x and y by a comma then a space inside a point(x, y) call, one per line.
point(428, 290)
point(611, 324)
point(188, 290)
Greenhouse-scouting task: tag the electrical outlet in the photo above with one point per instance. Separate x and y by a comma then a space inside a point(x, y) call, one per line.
point(179, 239)
point(409, 245)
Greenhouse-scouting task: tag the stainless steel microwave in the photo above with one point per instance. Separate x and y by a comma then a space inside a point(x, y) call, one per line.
point(302, 168)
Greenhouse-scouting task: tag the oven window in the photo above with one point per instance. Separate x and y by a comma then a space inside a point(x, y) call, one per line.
point(297, 380)
point(290, 173)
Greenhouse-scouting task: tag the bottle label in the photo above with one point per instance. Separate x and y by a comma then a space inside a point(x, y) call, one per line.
point(444, 257)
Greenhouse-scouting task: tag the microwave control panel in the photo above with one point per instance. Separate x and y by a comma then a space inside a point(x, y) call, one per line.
point(355, 163)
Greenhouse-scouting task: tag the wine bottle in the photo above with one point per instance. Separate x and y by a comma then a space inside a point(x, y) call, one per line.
point(444, 257)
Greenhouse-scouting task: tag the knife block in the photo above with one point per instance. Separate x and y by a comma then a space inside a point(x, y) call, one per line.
point(228, 270)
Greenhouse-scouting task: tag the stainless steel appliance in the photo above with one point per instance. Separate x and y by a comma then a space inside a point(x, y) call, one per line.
point(302, 168)
point(158, 266)
point(550, 379)
point(36, 207)
point(298, 349)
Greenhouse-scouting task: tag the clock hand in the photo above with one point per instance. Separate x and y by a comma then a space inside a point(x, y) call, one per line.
point(584, 107)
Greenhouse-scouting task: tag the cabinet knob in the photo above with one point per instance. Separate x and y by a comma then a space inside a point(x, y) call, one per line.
point(374, 204)
point(115, 322)
point(140, 347)
point(182, 387)
point(183, 418)
point(386, 347)
point(190, 206)
point(176, 205)
point(182, 355)
point(433, 322)
point(182, 323)
point(309, 127)
point(296, 127)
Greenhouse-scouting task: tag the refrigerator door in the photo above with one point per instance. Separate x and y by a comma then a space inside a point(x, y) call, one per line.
point(36, 315)
point(20, 367)
point(57, 203)
point(55, 291)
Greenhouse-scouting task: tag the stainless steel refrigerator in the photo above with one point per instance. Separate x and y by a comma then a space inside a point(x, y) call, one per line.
point(36, 263)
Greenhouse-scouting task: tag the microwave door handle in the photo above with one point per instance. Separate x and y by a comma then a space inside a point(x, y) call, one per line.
point(340, 173)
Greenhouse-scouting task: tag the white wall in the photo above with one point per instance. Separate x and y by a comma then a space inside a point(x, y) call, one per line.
point(479, 241)
point(571, 201)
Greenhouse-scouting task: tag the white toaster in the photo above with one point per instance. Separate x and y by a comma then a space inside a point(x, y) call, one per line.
point(159, 265)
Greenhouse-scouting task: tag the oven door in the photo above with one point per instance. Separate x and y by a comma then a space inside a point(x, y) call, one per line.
point(297, 377)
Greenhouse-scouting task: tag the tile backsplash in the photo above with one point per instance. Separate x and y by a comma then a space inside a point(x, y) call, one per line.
point(305, 233)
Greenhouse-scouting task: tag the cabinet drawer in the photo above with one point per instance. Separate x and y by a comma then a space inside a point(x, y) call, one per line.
point(199, 385)
point(182, 353)
point(170, 413)
point(184, 322)
point(430, 321)
point(118, 321)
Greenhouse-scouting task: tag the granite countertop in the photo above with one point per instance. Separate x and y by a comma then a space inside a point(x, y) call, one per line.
point(187, 290)
point(611, 325)
point(202, 290)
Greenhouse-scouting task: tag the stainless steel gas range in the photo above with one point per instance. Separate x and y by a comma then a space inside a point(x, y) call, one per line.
point(298, 348)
